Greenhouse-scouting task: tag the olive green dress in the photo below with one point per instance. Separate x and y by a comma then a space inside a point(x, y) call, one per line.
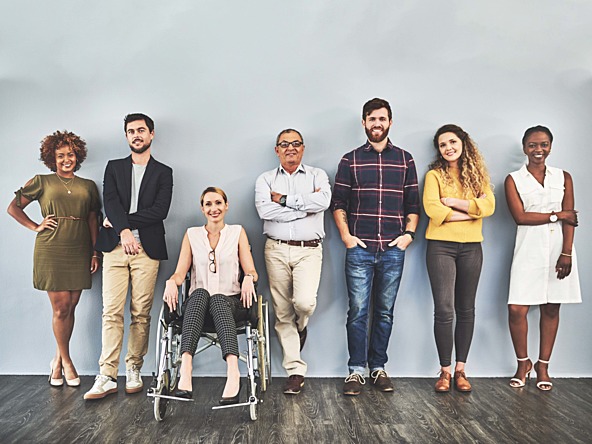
point(62, 256)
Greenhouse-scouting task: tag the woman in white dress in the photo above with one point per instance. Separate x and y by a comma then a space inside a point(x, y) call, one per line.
point(544, 269)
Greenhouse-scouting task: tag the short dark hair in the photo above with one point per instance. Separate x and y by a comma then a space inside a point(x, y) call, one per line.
point(138, 116)
point(537, 129)
point(288, 130)
point(57, 140)
point(373, 105)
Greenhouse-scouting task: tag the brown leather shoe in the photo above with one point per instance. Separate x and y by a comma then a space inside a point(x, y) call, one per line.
point(302, 334)
point(381, 381)
point(294, 384)
point(461, 383)
point(443, 384)
point(353, 384)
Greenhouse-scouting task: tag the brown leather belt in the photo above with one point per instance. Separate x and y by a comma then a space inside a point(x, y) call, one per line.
point(293, 243)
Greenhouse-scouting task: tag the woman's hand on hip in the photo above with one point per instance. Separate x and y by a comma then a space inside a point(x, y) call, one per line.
point(48, 223)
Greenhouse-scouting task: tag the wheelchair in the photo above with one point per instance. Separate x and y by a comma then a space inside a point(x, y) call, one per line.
point(253, 323)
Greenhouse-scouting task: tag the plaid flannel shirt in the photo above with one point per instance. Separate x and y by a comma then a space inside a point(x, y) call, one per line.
point(377, 191)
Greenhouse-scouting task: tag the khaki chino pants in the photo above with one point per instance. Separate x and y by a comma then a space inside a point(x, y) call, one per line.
point(294, 274)
point(119, 269)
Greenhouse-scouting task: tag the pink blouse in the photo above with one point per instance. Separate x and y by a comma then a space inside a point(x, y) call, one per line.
point(225, 279)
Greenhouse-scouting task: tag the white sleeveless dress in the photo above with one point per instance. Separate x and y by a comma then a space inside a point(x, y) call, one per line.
point(533, 279)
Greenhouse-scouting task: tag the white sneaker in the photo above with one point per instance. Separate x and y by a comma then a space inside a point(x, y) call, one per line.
point(133, 381)
point(102, 387)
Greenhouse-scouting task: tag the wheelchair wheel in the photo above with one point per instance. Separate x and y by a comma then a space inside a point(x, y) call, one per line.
point(267, 345)
point(160, 404)
point(262, 346)
point(175, 358)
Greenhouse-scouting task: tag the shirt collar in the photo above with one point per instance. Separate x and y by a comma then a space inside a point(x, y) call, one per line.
point(525, 172)
point(300, 168)
point(368, 147)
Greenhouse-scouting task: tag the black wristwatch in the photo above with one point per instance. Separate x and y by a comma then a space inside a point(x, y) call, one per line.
point(410, 233)
point(283, 200)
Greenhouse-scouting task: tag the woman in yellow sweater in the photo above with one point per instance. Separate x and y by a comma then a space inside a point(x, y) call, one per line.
point(457, 195)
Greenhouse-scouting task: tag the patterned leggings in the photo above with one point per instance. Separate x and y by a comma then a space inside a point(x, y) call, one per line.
point(222, 309)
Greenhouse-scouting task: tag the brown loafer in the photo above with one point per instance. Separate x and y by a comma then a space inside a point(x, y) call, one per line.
point(294, 384)
point(443, 383)
point(461, 383)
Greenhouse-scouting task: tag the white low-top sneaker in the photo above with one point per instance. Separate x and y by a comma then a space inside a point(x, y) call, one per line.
point(133, 380)
point(102, 387)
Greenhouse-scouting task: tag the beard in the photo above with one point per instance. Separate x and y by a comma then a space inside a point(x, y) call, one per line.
point(378, 138)
point(141, 150)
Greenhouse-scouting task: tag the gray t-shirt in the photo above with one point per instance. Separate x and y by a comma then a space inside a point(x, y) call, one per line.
point(137, 175)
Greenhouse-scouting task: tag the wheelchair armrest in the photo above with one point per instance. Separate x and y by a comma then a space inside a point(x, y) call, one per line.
point(253, 313)
point(171, 316)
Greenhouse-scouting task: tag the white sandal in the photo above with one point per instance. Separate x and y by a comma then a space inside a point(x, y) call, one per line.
point(517, 382)
point(544, 386)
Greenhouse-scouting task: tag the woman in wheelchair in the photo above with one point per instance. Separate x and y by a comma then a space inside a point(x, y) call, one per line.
point(215, 252)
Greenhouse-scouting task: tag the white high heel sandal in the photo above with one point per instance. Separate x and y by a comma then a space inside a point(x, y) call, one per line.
point(545, 386)
point(517, 382)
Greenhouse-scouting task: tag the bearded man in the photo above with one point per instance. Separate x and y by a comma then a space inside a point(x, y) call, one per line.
point(375, 205)
point(137, 192)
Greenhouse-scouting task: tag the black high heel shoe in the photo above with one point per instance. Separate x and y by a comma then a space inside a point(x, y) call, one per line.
point(233, 399)
point(184, 394)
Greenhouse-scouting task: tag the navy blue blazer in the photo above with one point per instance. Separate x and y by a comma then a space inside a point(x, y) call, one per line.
point(154, 201)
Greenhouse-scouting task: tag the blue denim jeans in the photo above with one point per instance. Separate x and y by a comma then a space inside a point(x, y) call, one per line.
point(371, 277)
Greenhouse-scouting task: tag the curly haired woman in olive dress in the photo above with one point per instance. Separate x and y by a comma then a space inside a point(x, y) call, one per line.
point(64, 259)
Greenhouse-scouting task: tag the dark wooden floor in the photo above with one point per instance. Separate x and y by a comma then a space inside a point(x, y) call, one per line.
point(33, 412)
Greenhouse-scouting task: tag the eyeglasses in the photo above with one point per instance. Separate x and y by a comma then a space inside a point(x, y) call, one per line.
point(295, 144)
point(212, 257)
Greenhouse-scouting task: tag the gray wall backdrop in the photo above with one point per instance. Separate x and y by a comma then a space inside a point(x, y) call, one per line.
point(222, 78)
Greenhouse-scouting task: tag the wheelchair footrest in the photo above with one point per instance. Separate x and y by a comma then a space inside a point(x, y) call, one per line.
point(174, 398)
point(241, 404)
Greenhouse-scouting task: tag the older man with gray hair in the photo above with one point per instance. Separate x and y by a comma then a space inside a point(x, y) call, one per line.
point(291, 200)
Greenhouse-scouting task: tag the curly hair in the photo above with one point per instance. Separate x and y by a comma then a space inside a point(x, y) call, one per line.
point(474, 177)
point(57, 140)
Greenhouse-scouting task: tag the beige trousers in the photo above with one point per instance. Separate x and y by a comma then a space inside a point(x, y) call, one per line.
point(119, 269)
point(294, 274)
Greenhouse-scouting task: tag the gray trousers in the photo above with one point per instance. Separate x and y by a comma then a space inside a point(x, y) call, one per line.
point(454, 269)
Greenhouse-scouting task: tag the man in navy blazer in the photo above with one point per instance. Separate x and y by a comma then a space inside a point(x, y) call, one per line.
point(137, 195)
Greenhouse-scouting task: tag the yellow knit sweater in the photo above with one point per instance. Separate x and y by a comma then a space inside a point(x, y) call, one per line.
point(439, 226)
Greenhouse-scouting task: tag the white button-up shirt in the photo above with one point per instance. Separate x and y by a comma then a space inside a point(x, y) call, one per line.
point(302, 217)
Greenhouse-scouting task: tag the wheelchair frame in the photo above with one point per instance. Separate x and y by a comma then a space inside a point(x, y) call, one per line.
point(168, 358)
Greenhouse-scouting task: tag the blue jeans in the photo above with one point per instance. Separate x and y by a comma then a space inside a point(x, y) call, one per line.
point(376, 277)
